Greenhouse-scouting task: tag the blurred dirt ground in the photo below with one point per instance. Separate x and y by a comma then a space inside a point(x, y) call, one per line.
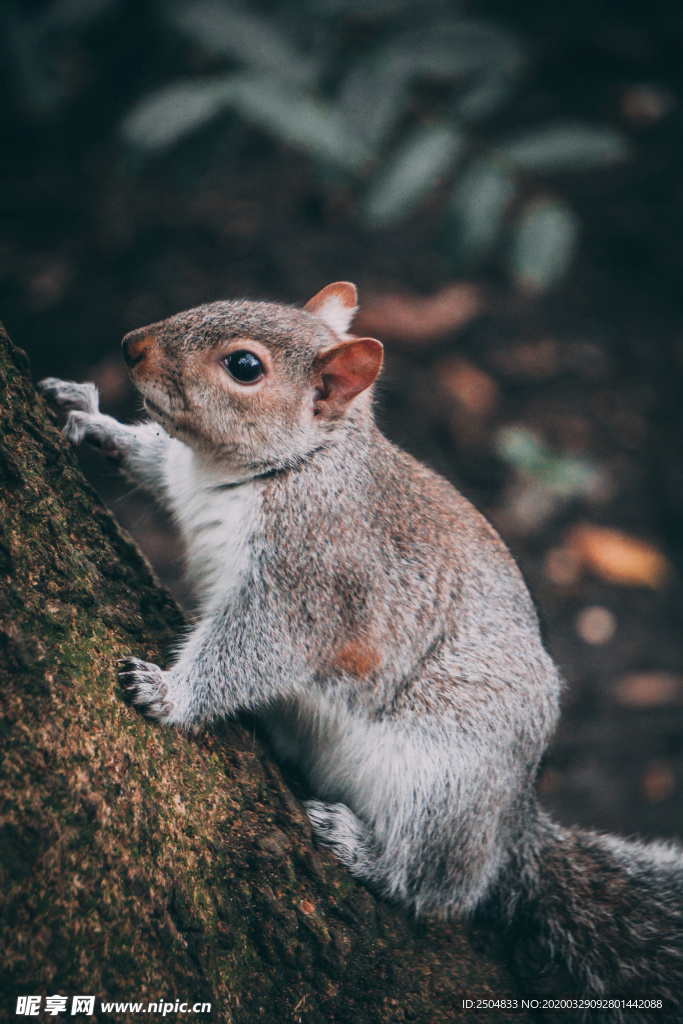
point(550, 413)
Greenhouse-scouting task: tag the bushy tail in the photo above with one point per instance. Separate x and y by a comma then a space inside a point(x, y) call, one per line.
point(590, 915)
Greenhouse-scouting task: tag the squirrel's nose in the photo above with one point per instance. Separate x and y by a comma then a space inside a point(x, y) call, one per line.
point(136, 346)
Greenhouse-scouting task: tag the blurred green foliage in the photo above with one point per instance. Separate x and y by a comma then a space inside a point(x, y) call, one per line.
point(397, 116)
point(564, 476)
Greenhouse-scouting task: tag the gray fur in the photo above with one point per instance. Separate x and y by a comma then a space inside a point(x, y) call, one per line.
point(381, 630)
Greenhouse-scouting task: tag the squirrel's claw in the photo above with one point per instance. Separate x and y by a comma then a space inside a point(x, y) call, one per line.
point(336, 828)
point(82, 397)
point(143, 685)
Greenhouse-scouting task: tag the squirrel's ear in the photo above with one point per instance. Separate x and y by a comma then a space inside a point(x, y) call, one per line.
point(343, 371)
point(335, 305)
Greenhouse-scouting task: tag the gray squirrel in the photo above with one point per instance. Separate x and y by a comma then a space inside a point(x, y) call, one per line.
point(382, 633)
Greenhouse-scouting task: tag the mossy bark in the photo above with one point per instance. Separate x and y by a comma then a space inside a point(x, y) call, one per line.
point(137, 863)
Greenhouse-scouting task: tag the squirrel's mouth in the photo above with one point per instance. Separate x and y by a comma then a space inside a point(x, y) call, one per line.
point(177, 426)
point(156, 410)
point(162, 416)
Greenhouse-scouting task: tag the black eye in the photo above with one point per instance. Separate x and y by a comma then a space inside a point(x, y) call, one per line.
point(244, 366)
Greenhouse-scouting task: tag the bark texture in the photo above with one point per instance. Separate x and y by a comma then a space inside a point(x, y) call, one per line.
point(137, 863)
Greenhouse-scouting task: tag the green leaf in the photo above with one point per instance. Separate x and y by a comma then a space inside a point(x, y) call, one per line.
point(297, 118)
point(563, 475)
point(543, 244)
point(164, 117)
point(423, 158)
point(485, 58)
point(476, 212)
point(288, 114)
point(483, 95)
point(371, 99)
point(562, 147)
point(259, 42)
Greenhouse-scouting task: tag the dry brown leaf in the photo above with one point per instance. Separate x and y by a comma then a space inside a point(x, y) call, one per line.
point(658, 782)
point(649, 689)
point(470, 386)
point(618, 557)
point(415, 320)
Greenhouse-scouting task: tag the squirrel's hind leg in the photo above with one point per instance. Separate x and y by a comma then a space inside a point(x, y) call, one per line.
point(337, 828)
point(145, 687)
point(163, 696)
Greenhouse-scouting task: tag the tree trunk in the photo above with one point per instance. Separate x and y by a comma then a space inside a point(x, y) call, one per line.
point(140, 864)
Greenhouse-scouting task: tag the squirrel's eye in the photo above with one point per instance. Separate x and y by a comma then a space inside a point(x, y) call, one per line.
point(244, 366)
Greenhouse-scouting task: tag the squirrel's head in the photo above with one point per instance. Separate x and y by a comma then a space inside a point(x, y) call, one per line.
point(257, 384)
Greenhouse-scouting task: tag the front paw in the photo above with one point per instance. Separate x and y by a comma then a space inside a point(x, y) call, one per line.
point(145, 686)
point(83, 397)
point(97, 430)
point(78, 427)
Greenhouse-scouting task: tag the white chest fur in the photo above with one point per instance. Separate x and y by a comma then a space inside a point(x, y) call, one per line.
point(217, 520)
